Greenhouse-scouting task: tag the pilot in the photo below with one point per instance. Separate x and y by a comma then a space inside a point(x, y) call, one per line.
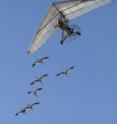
point(64, 26)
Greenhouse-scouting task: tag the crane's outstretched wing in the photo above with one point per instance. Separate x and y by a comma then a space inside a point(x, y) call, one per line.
point(69, 9)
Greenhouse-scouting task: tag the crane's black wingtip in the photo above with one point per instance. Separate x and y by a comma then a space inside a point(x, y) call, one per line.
point(33, 64)
point(57, 75)
point(16, 114)
point(37, 103)
point(29, 92)
point(40, 89)
point(31, 83)
point(46, 74)
point(72, 67)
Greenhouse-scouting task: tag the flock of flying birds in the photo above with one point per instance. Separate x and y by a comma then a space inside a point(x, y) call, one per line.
point(40, 80)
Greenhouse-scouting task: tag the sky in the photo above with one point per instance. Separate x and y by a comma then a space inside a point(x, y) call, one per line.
point(87, 96)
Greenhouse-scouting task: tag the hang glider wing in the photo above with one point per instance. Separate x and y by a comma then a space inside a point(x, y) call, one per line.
point(70, 9)
point(45, 30)
point(75, 8)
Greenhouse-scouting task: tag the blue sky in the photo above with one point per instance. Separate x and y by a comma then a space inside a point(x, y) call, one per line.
point(87, 96)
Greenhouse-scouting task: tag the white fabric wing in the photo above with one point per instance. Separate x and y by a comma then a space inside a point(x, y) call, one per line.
point(75, 8)
point(45, 31)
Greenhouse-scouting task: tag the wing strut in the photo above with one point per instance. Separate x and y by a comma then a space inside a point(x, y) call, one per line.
point(61, 13)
